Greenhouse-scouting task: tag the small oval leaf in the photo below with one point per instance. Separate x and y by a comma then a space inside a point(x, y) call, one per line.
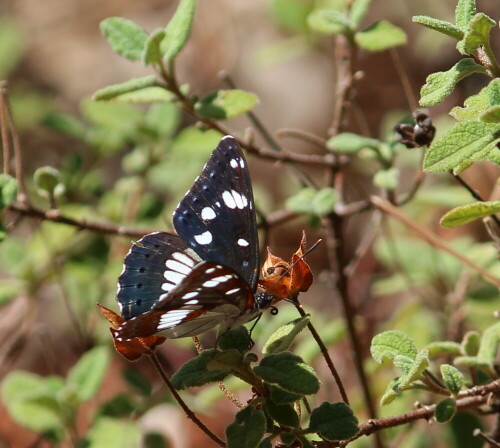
point(445, 410)
point(125, 37)
point(334, 421)
point(391, 343)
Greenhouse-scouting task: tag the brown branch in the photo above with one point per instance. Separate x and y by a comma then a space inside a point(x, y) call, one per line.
point(95, 226)
point(189, 413)
point(469, 399)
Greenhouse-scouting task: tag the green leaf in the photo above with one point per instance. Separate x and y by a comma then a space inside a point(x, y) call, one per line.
point(247, 429)
point(489, 344)
point(358, 11)
point(403, 363)
point(415, 371)
point(226, 360)
point(470, 343)
point(302, 201)
point(440, 84)
point(178, 29)
point(32, 401)
point(120, 405)
point(280, 396)
point(87, 374)
point(473, 106)
point(195, 372)
point(109, 432)
point(8, 190)
point(328, 21)
point(391, 343)
point(452, 377)
point(470, 212)
point(283, 414)
point(380, 36)
point(441, 26)
point(468, 141)
point(477, 34)
point(238, 338)
point(282, 338)
point(48, 182)
point(491, 115)
point(350, 143)
point(465, 10)
point(493, 92)
point(443, 348)
point(445, 410)
point(116, 90)
point(391, 393)
point(152, 50)
point(291, 14)
point(334, 421)
point(289, 372)
point(125, 37)
point(225, 104)
point(324, 200)
point(266, 443)
point(387, 179)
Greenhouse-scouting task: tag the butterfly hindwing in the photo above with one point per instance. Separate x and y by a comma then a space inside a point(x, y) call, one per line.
point(209, 295)
point(154, 265)
point(216, 218)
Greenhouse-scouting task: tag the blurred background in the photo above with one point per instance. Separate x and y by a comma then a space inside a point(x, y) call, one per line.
point(51, 276)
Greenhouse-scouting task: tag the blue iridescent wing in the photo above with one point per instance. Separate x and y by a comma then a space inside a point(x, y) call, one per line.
point(153, 266)
point(216, 218)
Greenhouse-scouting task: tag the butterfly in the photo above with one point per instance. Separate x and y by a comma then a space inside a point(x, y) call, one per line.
point(206, 275)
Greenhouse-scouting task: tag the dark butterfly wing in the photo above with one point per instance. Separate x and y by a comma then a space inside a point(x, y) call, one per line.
point(210, 295)
point(216, 218)
point(155, 264)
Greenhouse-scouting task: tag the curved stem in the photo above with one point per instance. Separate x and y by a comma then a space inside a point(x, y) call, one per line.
point(189, 413)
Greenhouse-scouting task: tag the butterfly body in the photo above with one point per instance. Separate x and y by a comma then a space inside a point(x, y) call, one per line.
point(206, 276)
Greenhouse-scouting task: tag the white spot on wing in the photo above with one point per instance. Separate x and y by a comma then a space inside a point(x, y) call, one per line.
point(234, 163)
point(207, 214)
point(167, 286)
point(174, 277)
point(243, 243)
point(172, 318)
point(204, 238)
point(210, 270)
point(232, 291)
point(179, 256)
point(192, 302)
point(190, 295)
point(240, 200)
point(217, 204)
point(178, 267)
point(228, 199)
point(242, 163)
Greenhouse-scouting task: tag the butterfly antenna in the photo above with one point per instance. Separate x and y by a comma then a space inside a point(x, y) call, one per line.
point(309, 250)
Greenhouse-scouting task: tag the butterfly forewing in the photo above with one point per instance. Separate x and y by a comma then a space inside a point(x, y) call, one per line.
point(216, 218)
point(209, 295)
point(155, 264)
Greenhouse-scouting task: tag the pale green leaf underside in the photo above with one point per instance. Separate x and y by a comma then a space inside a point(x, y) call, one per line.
point(470, 212)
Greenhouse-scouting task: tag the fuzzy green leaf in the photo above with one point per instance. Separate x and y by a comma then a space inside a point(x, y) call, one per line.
point(225, 104)
point(195, 372)
point(280, 396)
point(470, 343)
point(440, 84)
point(472, 362)
point(328, 21)
point(491, 115)
point(323, 202)
point(334, 421)
point(86, 376)
point(350, 143)
point(380, 36)
point(493, 92)
point(464, 12)
point(238, 338)
point(47, 180)
point(387, 179)
point(477, 34)
point(289, 372)
point(470, 212)
point(391, 343)
point(226, 360)
point(445, 410)
point(415, 371)
point(152, 50)
point(473, 106)
point(488, 348)
point(178, 29)
point(468, 141)
point(136, 86)
point(125, 37)
point(8, 190)
point(391, 392)
point(403, 363)
point(443, 348)
point(452, 377)
point(282, 338)
point(247, 429)
point(110, 432)
point(284, 414)
point(359, 8)
point(302, 201)
point(441, 26)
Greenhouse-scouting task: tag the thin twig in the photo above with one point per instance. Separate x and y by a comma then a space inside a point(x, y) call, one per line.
point(4, 129)
point(189, 413)
point(326, 355)
point(303, 135)
point(431, 238)
point(403, 76)
point(481, 435)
